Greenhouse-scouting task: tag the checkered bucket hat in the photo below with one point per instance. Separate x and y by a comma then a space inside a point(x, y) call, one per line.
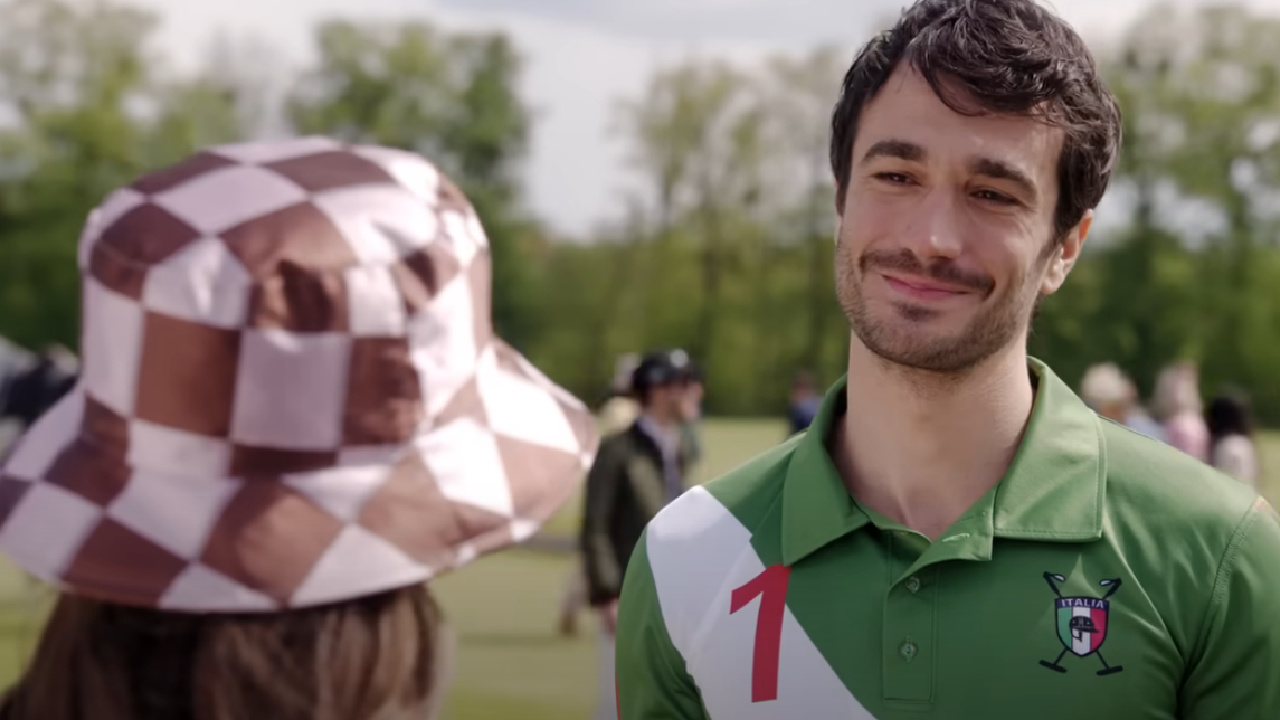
point(291, 392)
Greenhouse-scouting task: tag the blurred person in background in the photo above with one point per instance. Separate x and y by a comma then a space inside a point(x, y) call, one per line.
point(1231, 444)
point(29, 393)
point(619, 413)
point(636, 473)
point(242, 501)
point(1112, 394)
point(804, 402)
point(1179, 408)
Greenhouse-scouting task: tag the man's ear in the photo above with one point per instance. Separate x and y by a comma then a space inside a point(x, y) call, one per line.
point(1065, 255)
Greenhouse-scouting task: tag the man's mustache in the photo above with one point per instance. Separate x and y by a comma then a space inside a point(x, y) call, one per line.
point(939, 269)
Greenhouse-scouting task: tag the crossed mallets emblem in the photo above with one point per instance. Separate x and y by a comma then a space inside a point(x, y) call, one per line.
point(1082, 623)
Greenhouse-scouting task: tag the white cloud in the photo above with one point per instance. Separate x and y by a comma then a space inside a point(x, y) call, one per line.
point(188, 27)
point(582, 55)
point(773, 22)
point(769, 22)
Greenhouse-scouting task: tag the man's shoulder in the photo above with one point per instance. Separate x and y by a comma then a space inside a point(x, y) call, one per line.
point(619, 439)
point(1156, 488)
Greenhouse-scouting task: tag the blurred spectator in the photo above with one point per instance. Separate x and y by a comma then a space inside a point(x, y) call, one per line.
point(619, 410)
point(1231, 445)
point(636, 472)
point(619, 413)
point(30, 393)
point(1179, 407)
point(804, 403)
point(1111, 394)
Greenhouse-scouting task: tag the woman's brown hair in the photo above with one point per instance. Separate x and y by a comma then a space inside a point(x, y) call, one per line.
point(373, 658)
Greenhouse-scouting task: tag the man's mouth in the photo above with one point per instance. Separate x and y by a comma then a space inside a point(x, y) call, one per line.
point(923, 288)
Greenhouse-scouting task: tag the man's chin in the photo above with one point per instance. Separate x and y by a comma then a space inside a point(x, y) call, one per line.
point(918, 349)
point(915, 326)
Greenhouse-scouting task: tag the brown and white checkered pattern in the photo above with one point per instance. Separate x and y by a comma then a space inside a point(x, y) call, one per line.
point(291, 392)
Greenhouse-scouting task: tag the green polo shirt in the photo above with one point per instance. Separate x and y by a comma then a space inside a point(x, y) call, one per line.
point(1107, 576)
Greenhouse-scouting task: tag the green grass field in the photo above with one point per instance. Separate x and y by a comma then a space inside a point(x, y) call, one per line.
point(511, 662)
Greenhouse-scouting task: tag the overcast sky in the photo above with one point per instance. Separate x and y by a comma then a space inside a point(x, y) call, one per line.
point(582, 55)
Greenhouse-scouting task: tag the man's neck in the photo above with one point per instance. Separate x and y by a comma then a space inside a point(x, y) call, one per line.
point(657, 419)
point(664, 431)
point(663, 425)
point(922, 449)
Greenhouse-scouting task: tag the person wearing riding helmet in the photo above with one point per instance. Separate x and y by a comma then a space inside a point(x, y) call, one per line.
point(293, 413)
point(635, 474)
point(618, 414)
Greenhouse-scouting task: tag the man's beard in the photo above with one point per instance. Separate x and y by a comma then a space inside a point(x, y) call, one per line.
point(903, 339)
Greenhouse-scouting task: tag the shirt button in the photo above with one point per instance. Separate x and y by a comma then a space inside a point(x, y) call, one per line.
point(908, 651)
point(913, 584)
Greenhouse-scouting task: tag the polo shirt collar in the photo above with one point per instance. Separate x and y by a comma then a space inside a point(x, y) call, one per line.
point(1053, 490)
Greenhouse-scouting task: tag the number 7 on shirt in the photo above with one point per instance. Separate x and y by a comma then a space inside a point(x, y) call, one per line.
point(771, 587)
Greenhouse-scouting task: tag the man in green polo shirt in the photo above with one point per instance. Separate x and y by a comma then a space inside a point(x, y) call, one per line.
point(957, 536)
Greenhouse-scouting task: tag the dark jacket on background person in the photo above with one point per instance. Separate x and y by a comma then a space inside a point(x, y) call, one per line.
point(801, 413)
point(33, 392)
point(626, 487)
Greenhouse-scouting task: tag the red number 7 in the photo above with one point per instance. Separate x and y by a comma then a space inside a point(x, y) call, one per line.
point(771, 587)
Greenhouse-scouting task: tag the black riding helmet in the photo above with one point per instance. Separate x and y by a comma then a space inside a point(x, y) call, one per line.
point(663, 367)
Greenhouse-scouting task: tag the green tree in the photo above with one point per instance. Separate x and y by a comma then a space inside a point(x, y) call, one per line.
point(802, 90)
point(89, 112)
point(698, 138)
point(1199, 88)
point(452, 97)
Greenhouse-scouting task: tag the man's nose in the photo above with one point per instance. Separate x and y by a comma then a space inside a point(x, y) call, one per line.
point(933, 229)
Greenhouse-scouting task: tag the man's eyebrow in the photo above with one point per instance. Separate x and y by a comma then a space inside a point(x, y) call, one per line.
point(900, 149)
point(1001, 170)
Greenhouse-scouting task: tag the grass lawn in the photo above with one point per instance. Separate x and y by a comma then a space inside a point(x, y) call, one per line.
point(511, 663)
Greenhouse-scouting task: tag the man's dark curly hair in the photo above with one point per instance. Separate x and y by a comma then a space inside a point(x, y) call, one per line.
point(1009, 57)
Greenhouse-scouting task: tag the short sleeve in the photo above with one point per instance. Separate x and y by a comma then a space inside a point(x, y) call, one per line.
point(1233, 671)
point(652, 681)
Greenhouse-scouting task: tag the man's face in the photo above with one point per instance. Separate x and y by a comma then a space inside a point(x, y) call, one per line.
point(946, 233)
point(678, 402)
point(691, 401)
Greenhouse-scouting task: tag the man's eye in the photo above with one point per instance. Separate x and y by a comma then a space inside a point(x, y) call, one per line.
point(995, 197)
point(893, 177)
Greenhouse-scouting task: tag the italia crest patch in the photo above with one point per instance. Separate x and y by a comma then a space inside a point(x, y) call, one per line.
point(1081, 623)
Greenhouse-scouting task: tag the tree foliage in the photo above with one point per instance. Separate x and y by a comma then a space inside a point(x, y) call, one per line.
point(728, 248)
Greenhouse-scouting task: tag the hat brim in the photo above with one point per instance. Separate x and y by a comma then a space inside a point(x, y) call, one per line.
point(86, 517)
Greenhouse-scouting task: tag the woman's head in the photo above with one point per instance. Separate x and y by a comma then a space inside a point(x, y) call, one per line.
point(1229, 414)
point(1178, 390)
point(293, 408)
point(1107, 390)
point(380, 657)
